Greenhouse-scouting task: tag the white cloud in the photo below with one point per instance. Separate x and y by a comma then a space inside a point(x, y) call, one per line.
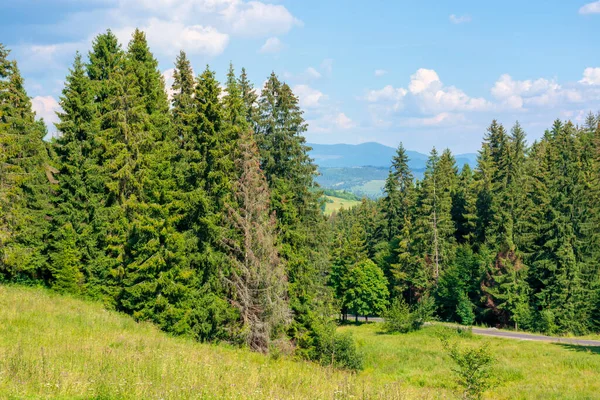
point(433, 97)
point(46, 107)
point(202, 27)
point(169, 37)
point(237, 17)
point(590, 8)
point(34, 57)
point(516, 94)
point(169, 80)
point(388, 94)
point(591, 76)
point(312, 73)
point(343, 122)
point(331, 122)
point(256, 19)
point(271, 46)
point(456, 19)
point(308, 96)
point(380, 72)
point(422, 80)
point(441, 119)
point(427, 96)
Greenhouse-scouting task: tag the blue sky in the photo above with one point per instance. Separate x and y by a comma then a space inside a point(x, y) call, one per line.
point(427, 73)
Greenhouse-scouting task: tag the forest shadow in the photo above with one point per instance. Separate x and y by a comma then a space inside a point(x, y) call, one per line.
point(579, 348)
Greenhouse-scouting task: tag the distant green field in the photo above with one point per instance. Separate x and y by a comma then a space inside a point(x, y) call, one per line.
point(372, 188)
point(338, 203)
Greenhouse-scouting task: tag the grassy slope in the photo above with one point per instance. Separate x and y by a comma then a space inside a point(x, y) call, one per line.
point(523, 369)
point(339, 203)
point(59, 347)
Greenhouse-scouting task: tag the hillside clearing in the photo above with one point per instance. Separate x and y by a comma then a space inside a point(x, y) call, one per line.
point(59, 347)
point(337, 204)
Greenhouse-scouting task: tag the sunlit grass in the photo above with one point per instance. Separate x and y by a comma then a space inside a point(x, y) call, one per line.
point(339, 203)
point(522, 369)
point(59, 347)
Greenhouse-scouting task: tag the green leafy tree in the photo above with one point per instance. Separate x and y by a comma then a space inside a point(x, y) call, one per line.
point(367, 292)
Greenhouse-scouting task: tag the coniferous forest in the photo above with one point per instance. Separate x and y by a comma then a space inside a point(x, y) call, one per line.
point(199, 212)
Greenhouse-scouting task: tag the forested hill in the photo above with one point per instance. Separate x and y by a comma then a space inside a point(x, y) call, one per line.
point(199, 212)
point(372, 154)
point(362, 168)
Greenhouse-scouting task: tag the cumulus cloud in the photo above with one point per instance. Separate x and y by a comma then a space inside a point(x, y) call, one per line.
point(427, 92)
point(255, 18)
point(422, 80)
point(236, 17)
point(201, 27)
point(432, 96)
point(591, 76)
point(271, 46)
point(312, 73)
point(515, 94)
point(168, 37)
point(169, 80)
point(388, 94)
point(33, 57)
point(462, 19)
point(380, 72)
point(590, 8)
point(342, 121)
point(331, 122)
point(308, 96)
point(46, 107)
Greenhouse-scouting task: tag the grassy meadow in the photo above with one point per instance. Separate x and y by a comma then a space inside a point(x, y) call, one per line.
point(338, 203)
point(53, 346)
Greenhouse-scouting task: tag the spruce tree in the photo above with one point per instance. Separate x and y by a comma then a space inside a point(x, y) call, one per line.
point(398, 190)
point(25, 179)
point(249, 97)
point(435, 227)
point(80, 190)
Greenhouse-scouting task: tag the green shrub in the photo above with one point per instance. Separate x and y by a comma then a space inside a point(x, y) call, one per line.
point(464, 310)
point(423, 312)
point(400, 318)
point(328, 347)
point(340, 351)
point(472, 369)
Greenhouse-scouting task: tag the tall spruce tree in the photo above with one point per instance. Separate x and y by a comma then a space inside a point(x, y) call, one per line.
point(398, 190)
point(249, 97)
point(25, 178)
point(79, 190)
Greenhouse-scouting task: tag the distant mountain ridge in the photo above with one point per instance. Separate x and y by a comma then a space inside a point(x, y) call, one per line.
point(372, 154)
point(362, 168)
